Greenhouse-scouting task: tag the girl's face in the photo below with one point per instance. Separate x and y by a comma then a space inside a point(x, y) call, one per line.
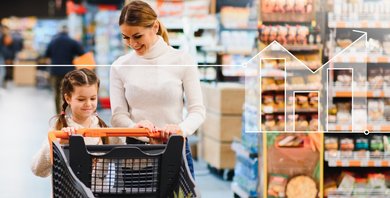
point(83, 101)
point(139, 38)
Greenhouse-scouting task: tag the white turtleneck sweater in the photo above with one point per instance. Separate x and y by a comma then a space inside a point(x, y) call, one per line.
point(152, 87)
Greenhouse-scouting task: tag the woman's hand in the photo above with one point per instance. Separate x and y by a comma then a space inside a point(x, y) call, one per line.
point(169, 130)
point(147, 125)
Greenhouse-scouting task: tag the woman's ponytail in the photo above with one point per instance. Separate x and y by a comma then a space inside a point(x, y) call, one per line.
point(162, 31)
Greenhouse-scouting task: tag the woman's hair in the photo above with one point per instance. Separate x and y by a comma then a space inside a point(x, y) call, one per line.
point(139, 13)
point(80, 77)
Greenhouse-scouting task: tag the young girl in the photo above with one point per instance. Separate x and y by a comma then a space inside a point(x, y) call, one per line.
point(79, 90)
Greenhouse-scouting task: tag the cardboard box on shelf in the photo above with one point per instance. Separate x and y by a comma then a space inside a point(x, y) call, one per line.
point(25, 75)
point(224, 98)
point(218, 154)
point(222, 127)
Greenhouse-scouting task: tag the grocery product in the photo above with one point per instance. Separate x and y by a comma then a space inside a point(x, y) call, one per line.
point(301, 187)
point(277, 185)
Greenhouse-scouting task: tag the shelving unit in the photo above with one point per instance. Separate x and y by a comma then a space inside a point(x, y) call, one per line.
point(356, 162)
point(289, 98)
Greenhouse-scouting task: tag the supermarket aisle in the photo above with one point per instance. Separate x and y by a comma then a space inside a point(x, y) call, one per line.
point(24, 119)
point(24, 115)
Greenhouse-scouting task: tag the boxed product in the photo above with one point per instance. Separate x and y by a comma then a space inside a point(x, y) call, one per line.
point(218, 154)
point(25, 75)
point(224, 98)
point(222, 127)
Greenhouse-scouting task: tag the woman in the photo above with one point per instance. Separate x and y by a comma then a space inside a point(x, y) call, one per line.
point(146, 87)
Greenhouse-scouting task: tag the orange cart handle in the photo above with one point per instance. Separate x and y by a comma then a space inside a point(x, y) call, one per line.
point(106, 132)
point(103, 132)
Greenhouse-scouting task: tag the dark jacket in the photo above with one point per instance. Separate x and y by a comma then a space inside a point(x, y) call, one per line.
point(62, 50)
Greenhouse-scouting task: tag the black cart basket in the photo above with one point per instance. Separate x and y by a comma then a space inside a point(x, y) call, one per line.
point(136, 170)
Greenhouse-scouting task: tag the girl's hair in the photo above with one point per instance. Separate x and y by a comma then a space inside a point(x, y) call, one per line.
point(80, 77)
point(139, 13)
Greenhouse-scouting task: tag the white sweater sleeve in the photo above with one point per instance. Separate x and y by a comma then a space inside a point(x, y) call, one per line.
point(194, 99)
point(41, 165)
point(119, 106)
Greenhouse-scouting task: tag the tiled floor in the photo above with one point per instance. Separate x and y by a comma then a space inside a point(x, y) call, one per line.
point(24, 120)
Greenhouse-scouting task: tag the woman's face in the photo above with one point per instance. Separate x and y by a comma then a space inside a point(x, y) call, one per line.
point(139, 38)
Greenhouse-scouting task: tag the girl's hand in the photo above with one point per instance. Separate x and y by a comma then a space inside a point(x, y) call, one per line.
point(69, 130)
point(147, 125)
point(169, 130)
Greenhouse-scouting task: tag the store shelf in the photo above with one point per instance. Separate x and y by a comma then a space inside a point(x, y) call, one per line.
point(382, 127)
point(368, 94)
point(358, 24)
point(240, 149)
point(376, 193)
point(293, 88)
point(357, 159)
point(271, 110)
point(239, 191)
point(302, 47)
point(362, 58)
point(292, 48)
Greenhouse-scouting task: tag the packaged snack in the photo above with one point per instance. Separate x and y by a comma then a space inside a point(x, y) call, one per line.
point(302, 102)
point(292, 33)
point(281, 123)
point(329, 187)
point(303, 32)
point(346, 144)
point(375, 78)
point(377, 180)
point(361, 144)
point(331, 143)
point(386, 144)
point(268, 104)
point(269, 123)
point(361, 147)
point(347, 181)
point(290, 141)
point(282, 35)
point(386, 109)
point(268, 84)
point(360, 186)
point(277, 185)
point(376, 146)
point(301, 187)
point(332, 114)
point(279, 102)
point(313, 100)
point(346, 147)
point(375, 110)
point(344, 112)
point(314, 123)
point(301, 124)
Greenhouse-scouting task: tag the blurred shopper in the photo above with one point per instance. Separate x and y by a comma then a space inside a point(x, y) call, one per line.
point(152, 96)
point(61, 50)
point(11, 43)
point(2, 62)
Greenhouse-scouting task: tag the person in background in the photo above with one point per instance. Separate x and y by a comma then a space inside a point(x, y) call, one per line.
point(152, 96)
point(79, 92)
point(61, 50)
point(2, 62)
point(12, 43)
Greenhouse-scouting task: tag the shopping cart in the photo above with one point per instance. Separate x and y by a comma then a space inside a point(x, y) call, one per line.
point(81, 170)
